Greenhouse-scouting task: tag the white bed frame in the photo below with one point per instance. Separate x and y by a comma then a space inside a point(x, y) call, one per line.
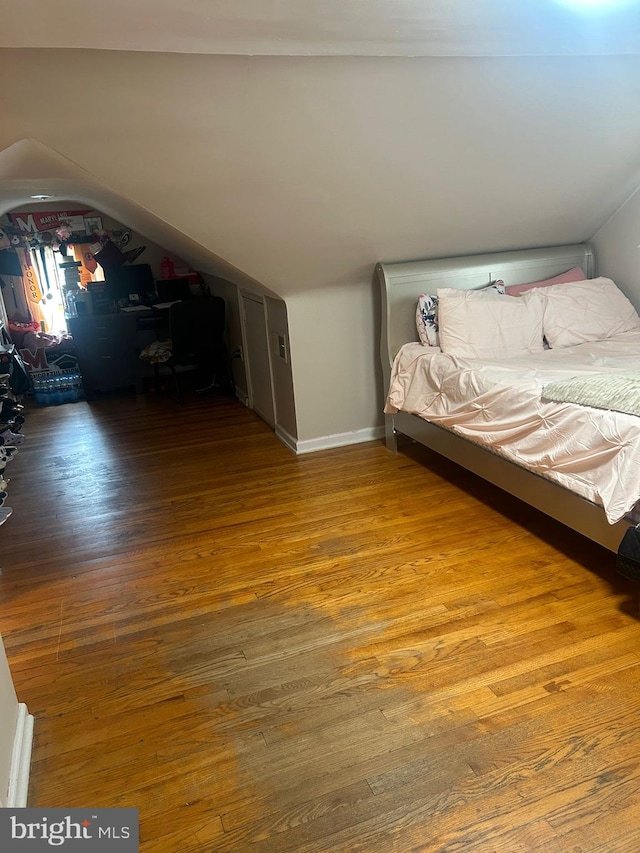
point(401, 284)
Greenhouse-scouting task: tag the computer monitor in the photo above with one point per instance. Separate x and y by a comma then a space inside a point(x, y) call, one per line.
point(131, 280)
point(171, 289)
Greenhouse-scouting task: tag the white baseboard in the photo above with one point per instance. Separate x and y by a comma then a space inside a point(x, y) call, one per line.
point(20, 760)
point(287, 439)
point(325, 442)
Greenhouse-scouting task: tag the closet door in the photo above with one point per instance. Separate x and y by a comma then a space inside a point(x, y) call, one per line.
point(257, 357)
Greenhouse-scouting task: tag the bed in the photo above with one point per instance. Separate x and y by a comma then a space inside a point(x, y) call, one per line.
point(579, 507)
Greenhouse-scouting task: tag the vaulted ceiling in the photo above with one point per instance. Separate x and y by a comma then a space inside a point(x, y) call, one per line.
point(302, 142)
point(328, 28)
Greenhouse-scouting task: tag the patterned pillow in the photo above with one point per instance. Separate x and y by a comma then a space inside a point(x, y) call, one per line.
point(427, 319)
point(427, 314)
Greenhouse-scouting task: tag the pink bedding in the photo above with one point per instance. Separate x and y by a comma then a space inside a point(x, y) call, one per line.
point(593, 452)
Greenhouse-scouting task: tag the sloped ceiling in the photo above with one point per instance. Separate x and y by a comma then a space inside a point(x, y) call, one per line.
point(302, 142)
point(327, 28)
point(303, 171)
point(28, 168)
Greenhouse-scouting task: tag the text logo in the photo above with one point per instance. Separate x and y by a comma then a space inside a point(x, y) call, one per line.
point(36, 830)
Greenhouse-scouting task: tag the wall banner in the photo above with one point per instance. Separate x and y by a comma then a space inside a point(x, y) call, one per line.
point(32, 222)
point(29, 276)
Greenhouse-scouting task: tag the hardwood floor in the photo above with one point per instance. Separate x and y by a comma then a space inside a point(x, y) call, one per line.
point(347, 651)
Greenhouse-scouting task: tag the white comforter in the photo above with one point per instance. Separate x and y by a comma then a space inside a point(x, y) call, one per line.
point(593, 452)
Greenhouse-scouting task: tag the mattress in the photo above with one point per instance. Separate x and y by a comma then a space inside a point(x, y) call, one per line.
point(594, 453)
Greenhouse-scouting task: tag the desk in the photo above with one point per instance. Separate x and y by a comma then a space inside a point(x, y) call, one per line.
point(107, 347)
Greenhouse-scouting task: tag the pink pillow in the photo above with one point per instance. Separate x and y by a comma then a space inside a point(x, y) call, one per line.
point(576, 274)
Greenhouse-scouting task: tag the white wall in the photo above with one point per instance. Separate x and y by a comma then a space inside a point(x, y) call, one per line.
point(301, 173)
point(336, 374)
point(16, 740)
point(617, 248)
point(8, 722)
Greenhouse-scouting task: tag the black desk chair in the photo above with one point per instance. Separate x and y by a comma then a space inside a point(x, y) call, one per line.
point(196, 332)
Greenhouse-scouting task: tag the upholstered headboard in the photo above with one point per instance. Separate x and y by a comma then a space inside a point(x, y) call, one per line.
point(402, 283)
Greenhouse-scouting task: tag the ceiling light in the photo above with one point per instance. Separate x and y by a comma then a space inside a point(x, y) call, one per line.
point(41, 197)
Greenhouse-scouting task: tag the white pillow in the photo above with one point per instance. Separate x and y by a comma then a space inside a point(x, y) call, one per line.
point(582, 311)
point(480, 325)
point(427, 313)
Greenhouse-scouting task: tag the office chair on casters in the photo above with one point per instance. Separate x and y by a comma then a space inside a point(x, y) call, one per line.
point(196, 331)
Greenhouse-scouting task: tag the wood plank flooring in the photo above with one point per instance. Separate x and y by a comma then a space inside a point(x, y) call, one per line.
point(347, 651)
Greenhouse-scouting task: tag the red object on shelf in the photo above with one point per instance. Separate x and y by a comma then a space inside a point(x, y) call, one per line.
point(167, 269)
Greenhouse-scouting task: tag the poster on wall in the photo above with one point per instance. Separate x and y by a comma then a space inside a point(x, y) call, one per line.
point(82, 253)
point(29, 276)
point(32, 222)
